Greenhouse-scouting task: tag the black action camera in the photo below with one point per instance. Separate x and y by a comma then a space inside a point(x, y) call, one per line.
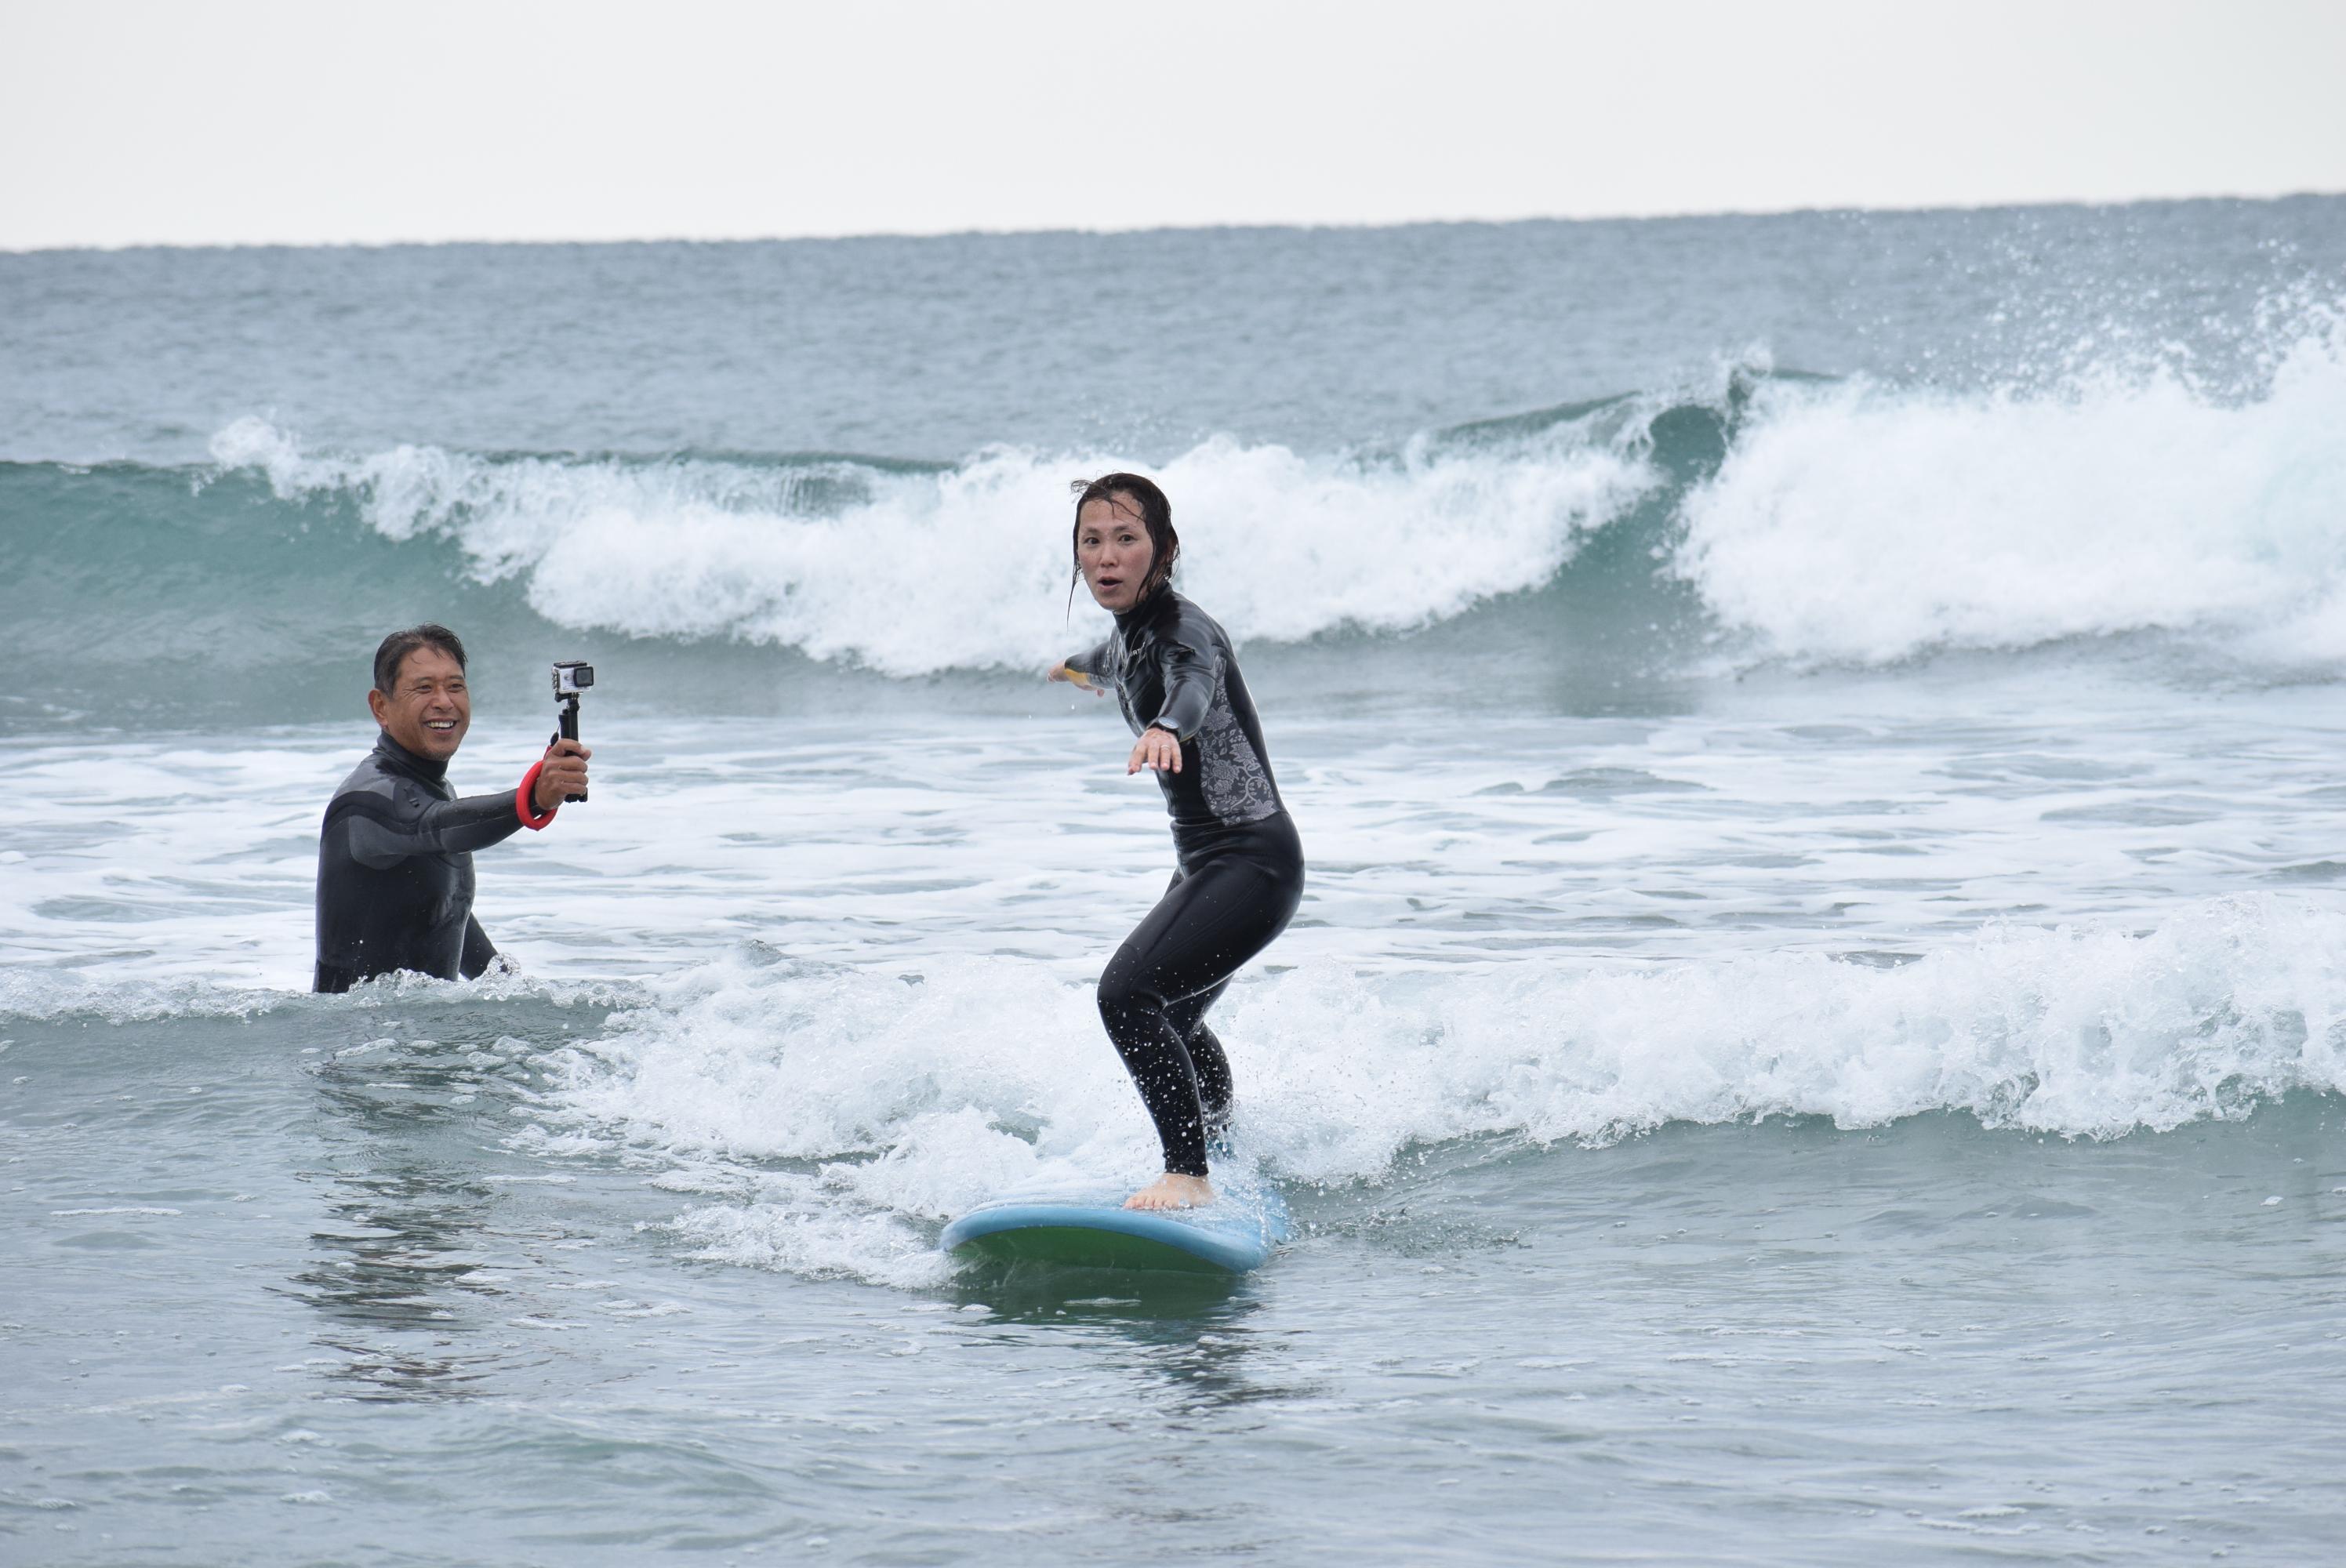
point(571, 677)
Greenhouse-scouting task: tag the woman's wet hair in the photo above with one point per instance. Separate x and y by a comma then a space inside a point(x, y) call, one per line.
point(1127, 491)
point(394, 649)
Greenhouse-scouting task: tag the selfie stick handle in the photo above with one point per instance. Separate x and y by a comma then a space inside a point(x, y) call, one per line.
point(567, 717)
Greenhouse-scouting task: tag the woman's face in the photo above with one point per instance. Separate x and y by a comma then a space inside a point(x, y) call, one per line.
point(1113, 548)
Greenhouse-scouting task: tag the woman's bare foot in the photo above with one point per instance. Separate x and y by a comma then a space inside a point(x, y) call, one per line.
point(1173, 1190)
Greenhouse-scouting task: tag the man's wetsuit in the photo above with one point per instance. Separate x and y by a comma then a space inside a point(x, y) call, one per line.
point(1241, 865)
point(395, 868)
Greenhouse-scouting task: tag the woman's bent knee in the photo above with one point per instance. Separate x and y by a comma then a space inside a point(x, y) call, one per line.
point(1122, 998)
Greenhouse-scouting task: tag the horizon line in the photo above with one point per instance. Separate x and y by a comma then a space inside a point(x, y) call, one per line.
point(1108, 231)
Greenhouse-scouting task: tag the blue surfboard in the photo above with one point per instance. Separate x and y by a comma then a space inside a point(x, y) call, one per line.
point(1086, 1226)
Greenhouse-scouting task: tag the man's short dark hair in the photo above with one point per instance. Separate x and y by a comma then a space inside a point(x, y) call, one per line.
point(399, 644)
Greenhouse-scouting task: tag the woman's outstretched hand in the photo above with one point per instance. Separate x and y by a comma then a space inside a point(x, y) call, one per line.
point(1158, 750)
point(1076, 677)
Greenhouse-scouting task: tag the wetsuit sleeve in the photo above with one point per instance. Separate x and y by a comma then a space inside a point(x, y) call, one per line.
point(1092, 663)
point(479, 950)
point(380, 837)
point(1188, 669)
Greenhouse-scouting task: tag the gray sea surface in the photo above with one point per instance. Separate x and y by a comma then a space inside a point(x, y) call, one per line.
point(1815, 1033)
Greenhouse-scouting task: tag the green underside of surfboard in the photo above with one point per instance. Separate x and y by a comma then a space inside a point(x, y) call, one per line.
point(1073, 1248)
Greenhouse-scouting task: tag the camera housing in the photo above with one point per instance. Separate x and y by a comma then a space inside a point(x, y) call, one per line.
point(571, 677)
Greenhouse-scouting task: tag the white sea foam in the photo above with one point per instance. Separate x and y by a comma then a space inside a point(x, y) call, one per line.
point(968, 567)
point(47, 993)
point(1862, 524)
point(131, 994)
point(904, 1103)
point(1849, 522)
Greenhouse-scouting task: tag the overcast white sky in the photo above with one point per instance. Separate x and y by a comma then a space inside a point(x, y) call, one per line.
point(252, 121)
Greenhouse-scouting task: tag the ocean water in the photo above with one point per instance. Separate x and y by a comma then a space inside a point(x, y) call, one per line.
point(1817, 1032)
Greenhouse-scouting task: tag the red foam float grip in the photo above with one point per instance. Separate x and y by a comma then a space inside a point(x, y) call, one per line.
point(528, 792)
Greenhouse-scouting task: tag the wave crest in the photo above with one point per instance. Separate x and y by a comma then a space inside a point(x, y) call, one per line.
point(913, 1100)
point(1860, 525)
point(910, 572)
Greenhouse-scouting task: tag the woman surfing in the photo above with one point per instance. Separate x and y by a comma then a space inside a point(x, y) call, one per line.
point(1240, 871)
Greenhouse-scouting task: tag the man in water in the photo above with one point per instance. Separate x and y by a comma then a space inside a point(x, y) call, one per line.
point(395, 854)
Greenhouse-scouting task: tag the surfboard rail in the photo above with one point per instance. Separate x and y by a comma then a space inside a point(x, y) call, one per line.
point(1093, 1229)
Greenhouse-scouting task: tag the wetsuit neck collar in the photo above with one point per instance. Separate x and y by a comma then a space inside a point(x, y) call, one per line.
point(406, 761)
point(1145, 610)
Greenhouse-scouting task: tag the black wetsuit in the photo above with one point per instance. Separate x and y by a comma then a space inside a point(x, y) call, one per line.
point(395, 868)
point(1241, 865)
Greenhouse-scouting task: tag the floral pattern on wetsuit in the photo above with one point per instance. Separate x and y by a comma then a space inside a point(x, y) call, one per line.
point(1236, 785)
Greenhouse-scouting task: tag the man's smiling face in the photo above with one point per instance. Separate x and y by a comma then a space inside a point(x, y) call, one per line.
point(429, 707)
